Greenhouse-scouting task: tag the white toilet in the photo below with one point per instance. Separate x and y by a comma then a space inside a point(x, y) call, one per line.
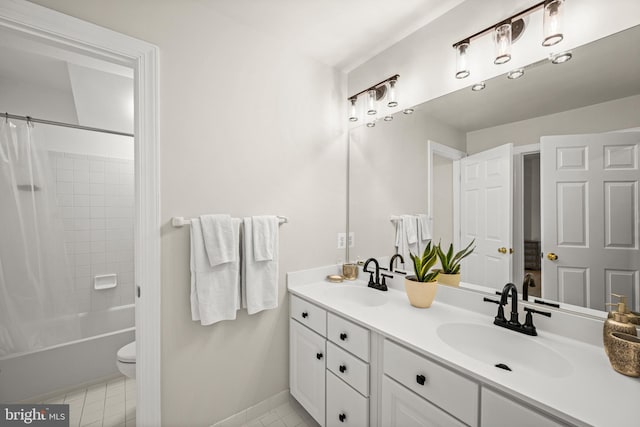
point(127, 360)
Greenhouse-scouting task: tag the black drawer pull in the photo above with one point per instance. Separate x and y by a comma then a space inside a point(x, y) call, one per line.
point(420, 379)
point(343, 336)
point(342, 368)
point(342, 417)
point(319, 356)
point(305, 314)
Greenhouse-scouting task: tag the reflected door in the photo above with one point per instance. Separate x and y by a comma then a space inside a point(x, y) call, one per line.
point(590, 218)
point(486, 216)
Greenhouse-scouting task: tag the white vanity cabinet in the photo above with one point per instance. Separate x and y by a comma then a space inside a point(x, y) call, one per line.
point(307, 357)
point(448, 394)
point(500, 411)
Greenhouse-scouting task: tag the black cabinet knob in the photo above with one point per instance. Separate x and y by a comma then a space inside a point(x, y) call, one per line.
point(343, 336)
point(319, 356)
point(305, 314)
point(342, 368)
point(342, 417)
point(420, 379)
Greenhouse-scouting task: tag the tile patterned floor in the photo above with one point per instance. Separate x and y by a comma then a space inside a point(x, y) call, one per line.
point(289, 414)
point(108, 404)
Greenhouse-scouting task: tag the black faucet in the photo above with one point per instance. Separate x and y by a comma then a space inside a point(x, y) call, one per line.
point(393, 258)
point(374, 284)
point(527, 283)
point(513, 323)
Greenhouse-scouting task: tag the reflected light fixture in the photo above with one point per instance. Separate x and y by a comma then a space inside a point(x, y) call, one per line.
point(478, 87)
point(408, 111)
point(508, 31)
point(561, 58)
point(388, 118)
point(353, 112)
point(515, 74)
point(387, 90)
point(502, 42)
point(392, 94)
point(552, 22)
point(462, 61)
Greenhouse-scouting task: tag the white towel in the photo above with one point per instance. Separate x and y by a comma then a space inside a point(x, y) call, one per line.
point(424, 231)
point(259, 278)
point(265, 230)
point(220, 241)
point(215, 291)
point(403, 246)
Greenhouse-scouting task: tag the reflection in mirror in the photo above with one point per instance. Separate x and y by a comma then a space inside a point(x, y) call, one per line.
point(558, 214)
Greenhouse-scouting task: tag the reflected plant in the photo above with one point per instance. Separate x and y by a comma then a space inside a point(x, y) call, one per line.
point(451, 262)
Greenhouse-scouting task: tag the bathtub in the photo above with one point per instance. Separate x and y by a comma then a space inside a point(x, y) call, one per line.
point(26, 376)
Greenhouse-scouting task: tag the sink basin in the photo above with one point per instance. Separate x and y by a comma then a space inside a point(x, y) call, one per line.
point(358, 295)
point(495, 345)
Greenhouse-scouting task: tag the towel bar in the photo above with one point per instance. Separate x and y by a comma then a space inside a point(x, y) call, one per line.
point(179, 221)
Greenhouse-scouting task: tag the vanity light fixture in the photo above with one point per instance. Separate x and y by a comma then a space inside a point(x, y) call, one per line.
point(388, 118)
point(462, 61)
point(381, 90)
point(353, 112)
point(408, 111)
point(478, 87)
point(561, 58)
point(552, 22)
point(507, 32)
point(515, 74)
point(502, 42)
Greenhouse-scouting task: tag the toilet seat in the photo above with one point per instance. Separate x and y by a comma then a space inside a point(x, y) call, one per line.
point(127, 354)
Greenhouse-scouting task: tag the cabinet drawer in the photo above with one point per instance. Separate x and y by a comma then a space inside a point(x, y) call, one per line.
point(349, 368)
point(349, 336)
point(403, 408)
point(500, 411)
point(345, 406)
point(448, 390)
point(309, 315)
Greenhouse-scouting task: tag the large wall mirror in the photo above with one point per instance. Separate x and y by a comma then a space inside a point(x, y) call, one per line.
point(543, 171)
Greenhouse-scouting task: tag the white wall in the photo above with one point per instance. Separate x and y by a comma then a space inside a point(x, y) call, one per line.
point(247, 127)
point(607, 116)
point(425, 60)
point(443, 200)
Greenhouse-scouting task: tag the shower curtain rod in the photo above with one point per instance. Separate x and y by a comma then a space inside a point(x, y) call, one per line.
point(8, 116)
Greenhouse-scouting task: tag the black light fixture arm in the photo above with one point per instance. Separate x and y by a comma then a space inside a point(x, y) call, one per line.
point(504, 21)
point(375, 86)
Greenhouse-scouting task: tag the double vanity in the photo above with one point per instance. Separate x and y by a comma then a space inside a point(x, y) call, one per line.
point(361, 357)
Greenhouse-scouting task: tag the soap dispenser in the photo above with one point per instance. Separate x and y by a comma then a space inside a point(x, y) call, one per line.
point(633, 316)
point(617, 321)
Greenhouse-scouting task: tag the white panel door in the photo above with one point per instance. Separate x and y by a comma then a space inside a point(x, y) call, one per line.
point(307, 369)
point(590, 218)
point(486, 216)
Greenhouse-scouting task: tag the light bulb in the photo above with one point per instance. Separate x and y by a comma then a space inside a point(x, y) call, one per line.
point(478, 87)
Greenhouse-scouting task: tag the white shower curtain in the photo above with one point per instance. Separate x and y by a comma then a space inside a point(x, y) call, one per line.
point(36, 287)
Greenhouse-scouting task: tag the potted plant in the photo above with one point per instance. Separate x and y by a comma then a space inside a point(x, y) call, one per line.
point(421, 288)
point(450, 262)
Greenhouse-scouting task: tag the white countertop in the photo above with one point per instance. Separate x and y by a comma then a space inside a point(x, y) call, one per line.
point(590, 393)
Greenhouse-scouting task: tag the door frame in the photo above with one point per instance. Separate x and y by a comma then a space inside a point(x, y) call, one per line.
point(518, 207)
point(434, 148)
point(60, 30)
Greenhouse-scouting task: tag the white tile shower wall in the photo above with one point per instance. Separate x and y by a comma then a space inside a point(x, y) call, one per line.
point(96, 200)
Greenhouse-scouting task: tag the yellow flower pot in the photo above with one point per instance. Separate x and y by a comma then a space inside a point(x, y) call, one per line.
point(420, 294)
point(449, 279)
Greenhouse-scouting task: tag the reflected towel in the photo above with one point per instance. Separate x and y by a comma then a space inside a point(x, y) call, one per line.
point(259, 278)
point(424, 231)
point(215, 291)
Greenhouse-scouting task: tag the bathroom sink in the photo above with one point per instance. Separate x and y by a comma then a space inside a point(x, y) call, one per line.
point(494, 345)
point(358, 295)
